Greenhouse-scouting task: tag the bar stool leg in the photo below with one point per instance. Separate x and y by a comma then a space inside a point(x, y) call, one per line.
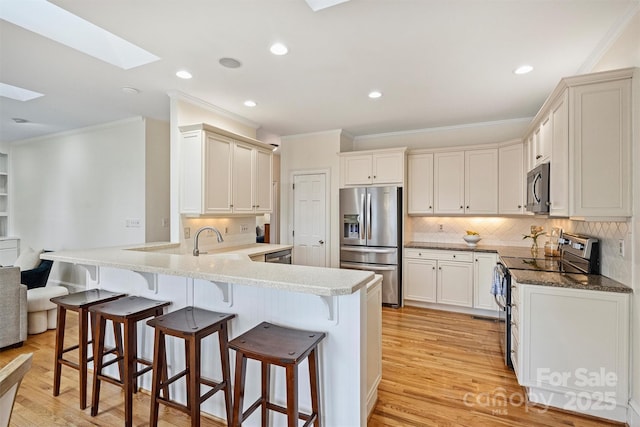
point(238, 393)
point(82, 356)
point(57, 369)
point(98, 350)
point(194, 380)
point(266, 378)
point(223, 339)
point(129, 369)
point(159, 360)
point(187, 367)
point(314, 379)
point(292, 395)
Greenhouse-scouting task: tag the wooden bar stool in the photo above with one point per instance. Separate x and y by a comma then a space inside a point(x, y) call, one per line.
point(125, 312)
point(277, 345)
point(192, 324)
point(78, 302)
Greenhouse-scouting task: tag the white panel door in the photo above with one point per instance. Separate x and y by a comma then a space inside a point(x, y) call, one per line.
point(420, 183)
point(263, 187)
point(243, 184)
point(511, 180)
point(481, 181)
point(388, 168)
point(559, 185)
point(455, 283)
point(448, 177)
point(309, 220)
point(420, 279)
point(217, 174)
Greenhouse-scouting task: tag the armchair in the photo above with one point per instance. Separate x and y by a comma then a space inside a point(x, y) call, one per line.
point(13, 308)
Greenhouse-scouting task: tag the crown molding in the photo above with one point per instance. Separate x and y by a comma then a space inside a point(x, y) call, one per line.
point(177, 95)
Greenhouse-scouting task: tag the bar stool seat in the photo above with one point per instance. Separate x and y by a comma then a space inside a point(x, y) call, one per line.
point(276, 345)
point(125, 312)
point(78, 302)
point(191, 324)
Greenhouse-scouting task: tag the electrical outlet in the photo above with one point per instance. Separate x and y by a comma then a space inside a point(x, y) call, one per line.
point(187, 232)
point(226, 230)
point(244, 228)
point(440, 227)
point(132, 223)
point(621, 247)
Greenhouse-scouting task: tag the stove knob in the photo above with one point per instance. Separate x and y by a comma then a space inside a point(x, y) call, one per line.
point(578, 246)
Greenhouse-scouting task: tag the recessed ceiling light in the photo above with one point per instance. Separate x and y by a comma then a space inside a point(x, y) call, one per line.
point(184, 74)
point(19, 120)
point(56, 23)
point(523, 69)
point(317, 5)
point(375, 94)
point(130, 90)
point(230, 63)
point(250, 103)
point(279, 49)
point(18, 93)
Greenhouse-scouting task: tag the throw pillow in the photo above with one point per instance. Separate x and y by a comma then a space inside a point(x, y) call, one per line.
point(28, 259)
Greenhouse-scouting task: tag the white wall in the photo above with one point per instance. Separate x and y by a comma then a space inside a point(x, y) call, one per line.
point(157, 181)
point(77, 189)
point(315, 151)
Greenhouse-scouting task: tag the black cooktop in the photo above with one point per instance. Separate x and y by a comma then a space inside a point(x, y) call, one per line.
point(551, 264)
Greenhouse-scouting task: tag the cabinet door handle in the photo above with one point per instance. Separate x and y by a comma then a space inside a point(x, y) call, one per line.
point(369, 177)
point(433, 268)
point(430, 207)
point(519, 206)
point(439, 268)
point(467, 207)
point(454, 256)
point(539, 156)
point(461, 207)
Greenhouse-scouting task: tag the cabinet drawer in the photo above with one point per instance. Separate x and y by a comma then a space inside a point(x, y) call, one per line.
point(461, 256)
point(9, 244)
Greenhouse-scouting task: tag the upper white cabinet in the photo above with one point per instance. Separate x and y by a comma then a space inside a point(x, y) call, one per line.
point(481, 181)
point(4, 194)
point(375, 167)
point(466, 182)
point(448, 181)
point(420, 183)
point(223, 173)
point(511, 176)
point(600, 141)
point(586, 125)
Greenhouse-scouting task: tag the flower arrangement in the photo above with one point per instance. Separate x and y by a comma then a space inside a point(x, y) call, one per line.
point(536, 231)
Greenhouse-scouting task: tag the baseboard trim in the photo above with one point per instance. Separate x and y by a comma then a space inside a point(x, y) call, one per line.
point(633, 416)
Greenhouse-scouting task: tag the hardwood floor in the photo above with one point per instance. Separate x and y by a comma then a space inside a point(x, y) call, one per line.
point(439, 369)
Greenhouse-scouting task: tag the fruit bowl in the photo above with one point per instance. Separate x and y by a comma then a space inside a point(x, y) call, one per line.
point(472, 239)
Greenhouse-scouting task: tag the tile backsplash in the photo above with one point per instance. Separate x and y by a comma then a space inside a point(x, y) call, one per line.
point(231, 229)
point(509, 231)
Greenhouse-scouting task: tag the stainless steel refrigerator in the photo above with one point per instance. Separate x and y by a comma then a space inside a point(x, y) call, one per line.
point(371, 235)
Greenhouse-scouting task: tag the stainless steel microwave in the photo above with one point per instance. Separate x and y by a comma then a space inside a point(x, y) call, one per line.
point(538, 189)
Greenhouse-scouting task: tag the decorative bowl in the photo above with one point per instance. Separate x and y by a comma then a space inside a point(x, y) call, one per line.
point(472, 239)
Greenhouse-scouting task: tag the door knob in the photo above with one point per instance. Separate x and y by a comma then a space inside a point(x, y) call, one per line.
point(321, 242)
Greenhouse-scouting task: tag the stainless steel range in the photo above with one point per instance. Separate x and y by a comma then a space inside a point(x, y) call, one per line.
point(579, 255)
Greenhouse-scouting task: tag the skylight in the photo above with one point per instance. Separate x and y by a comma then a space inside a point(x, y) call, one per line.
point(18, 93)
point(57, 24)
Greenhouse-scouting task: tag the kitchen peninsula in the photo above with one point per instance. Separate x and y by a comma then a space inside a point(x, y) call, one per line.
point(338, 302)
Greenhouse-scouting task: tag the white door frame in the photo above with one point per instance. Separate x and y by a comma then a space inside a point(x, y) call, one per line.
point(327, 209)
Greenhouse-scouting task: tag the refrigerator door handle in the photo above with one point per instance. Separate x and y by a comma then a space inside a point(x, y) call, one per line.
point(368, 215)
point(368, 249)
point(361, 217)
point(368, 267)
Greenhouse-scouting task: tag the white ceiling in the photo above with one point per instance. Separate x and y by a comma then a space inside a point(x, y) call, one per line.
point(437, 62)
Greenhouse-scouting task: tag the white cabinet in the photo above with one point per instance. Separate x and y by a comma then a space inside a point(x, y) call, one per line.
point(455, 283)
point(4, 195)
point(376, 167)
point(483, 265)
point(600, 141)
point(573, 344)
point(511, 176)
point(444, 277)
point(559, 167)
point(448, 181)
point(223, 173)
point(9, 249)
point(420, 183)
point(466, 182)
point(420, 276)
point(481, 181)
point(584, 131)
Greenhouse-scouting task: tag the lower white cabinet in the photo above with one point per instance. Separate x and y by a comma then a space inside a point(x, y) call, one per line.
point(444, 277)
point(483, 265)
point(374, 342)
point(572, 348)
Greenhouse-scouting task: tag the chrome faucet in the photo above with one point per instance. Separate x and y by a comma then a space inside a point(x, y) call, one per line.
point(196, 251)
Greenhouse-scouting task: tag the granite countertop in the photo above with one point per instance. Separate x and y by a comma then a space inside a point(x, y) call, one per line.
point(227, 267)
point(591, 282)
